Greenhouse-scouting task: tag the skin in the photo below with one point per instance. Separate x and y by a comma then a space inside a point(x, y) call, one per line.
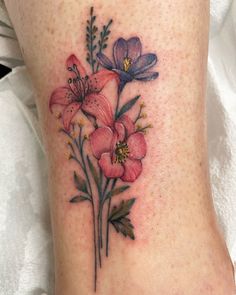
point(178, 247)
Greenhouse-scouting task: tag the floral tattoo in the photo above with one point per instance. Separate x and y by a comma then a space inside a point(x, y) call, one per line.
point(116, 140)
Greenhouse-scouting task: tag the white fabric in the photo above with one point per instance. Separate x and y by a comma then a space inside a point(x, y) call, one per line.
point(221, 102)
point(25, 235)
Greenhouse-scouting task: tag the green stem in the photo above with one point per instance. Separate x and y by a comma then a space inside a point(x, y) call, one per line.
point(99, 238)
point(117, 104)
point(91, 46)
point(143, 128)
point(80, 147)
point(100, 205)
point(107, 236)
point(138, 116)
point(99, 217)
point(104, 34)
point(77, 160)
point(108, 214)
point(95, 248)
point(101, 210)
point(106, 186)
point(74, 156)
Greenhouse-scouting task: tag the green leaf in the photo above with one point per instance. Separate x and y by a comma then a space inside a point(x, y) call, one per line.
point(128, 106)
point(91, 30)
point(118, 218)
point(122, 210)
point(116, 191)
point(80, 183)
point(93, 171)
point(94, 29)
point(77, 199)
point(125, 227)
point(104, 36)
point(93, 19)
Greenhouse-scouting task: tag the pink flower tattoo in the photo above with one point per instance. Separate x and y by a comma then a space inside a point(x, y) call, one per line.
point(119, 150)
point(105, 136)
point(83, 92)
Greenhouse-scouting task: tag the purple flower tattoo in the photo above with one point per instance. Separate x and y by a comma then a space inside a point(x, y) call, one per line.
point(129, 62)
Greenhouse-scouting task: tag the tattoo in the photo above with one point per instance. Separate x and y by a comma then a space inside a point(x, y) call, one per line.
point(117, 142)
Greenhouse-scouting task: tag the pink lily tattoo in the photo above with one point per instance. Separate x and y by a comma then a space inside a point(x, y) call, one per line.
point(110, 157)
point(83, 92)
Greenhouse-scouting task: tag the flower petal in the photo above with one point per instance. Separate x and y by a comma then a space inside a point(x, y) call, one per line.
point(61, 96)
point(147, 76)
point(69, 112)
point(73, 60)
point(134, 48)
point(143, 63)
point(110, 170)
point(133, 169)
point(100, 79)
point(98, 105)
point(137, 146)
point(113, 144)
point(101, 140)
point(104, 61)
point(124, 76)
point(120, 129)
point(120, 51)
point(128, 124)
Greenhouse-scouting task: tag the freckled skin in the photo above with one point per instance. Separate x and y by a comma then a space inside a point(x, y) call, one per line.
point(178, 249)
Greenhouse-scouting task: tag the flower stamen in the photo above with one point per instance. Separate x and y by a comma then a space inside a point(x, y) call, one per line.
point(126, 64)
point(121, 152)
point(80, 85)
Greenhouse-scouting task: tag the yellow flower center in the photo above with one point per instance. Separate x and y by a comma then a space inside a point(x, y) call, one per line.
point(121, 152)
point(127, 63)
